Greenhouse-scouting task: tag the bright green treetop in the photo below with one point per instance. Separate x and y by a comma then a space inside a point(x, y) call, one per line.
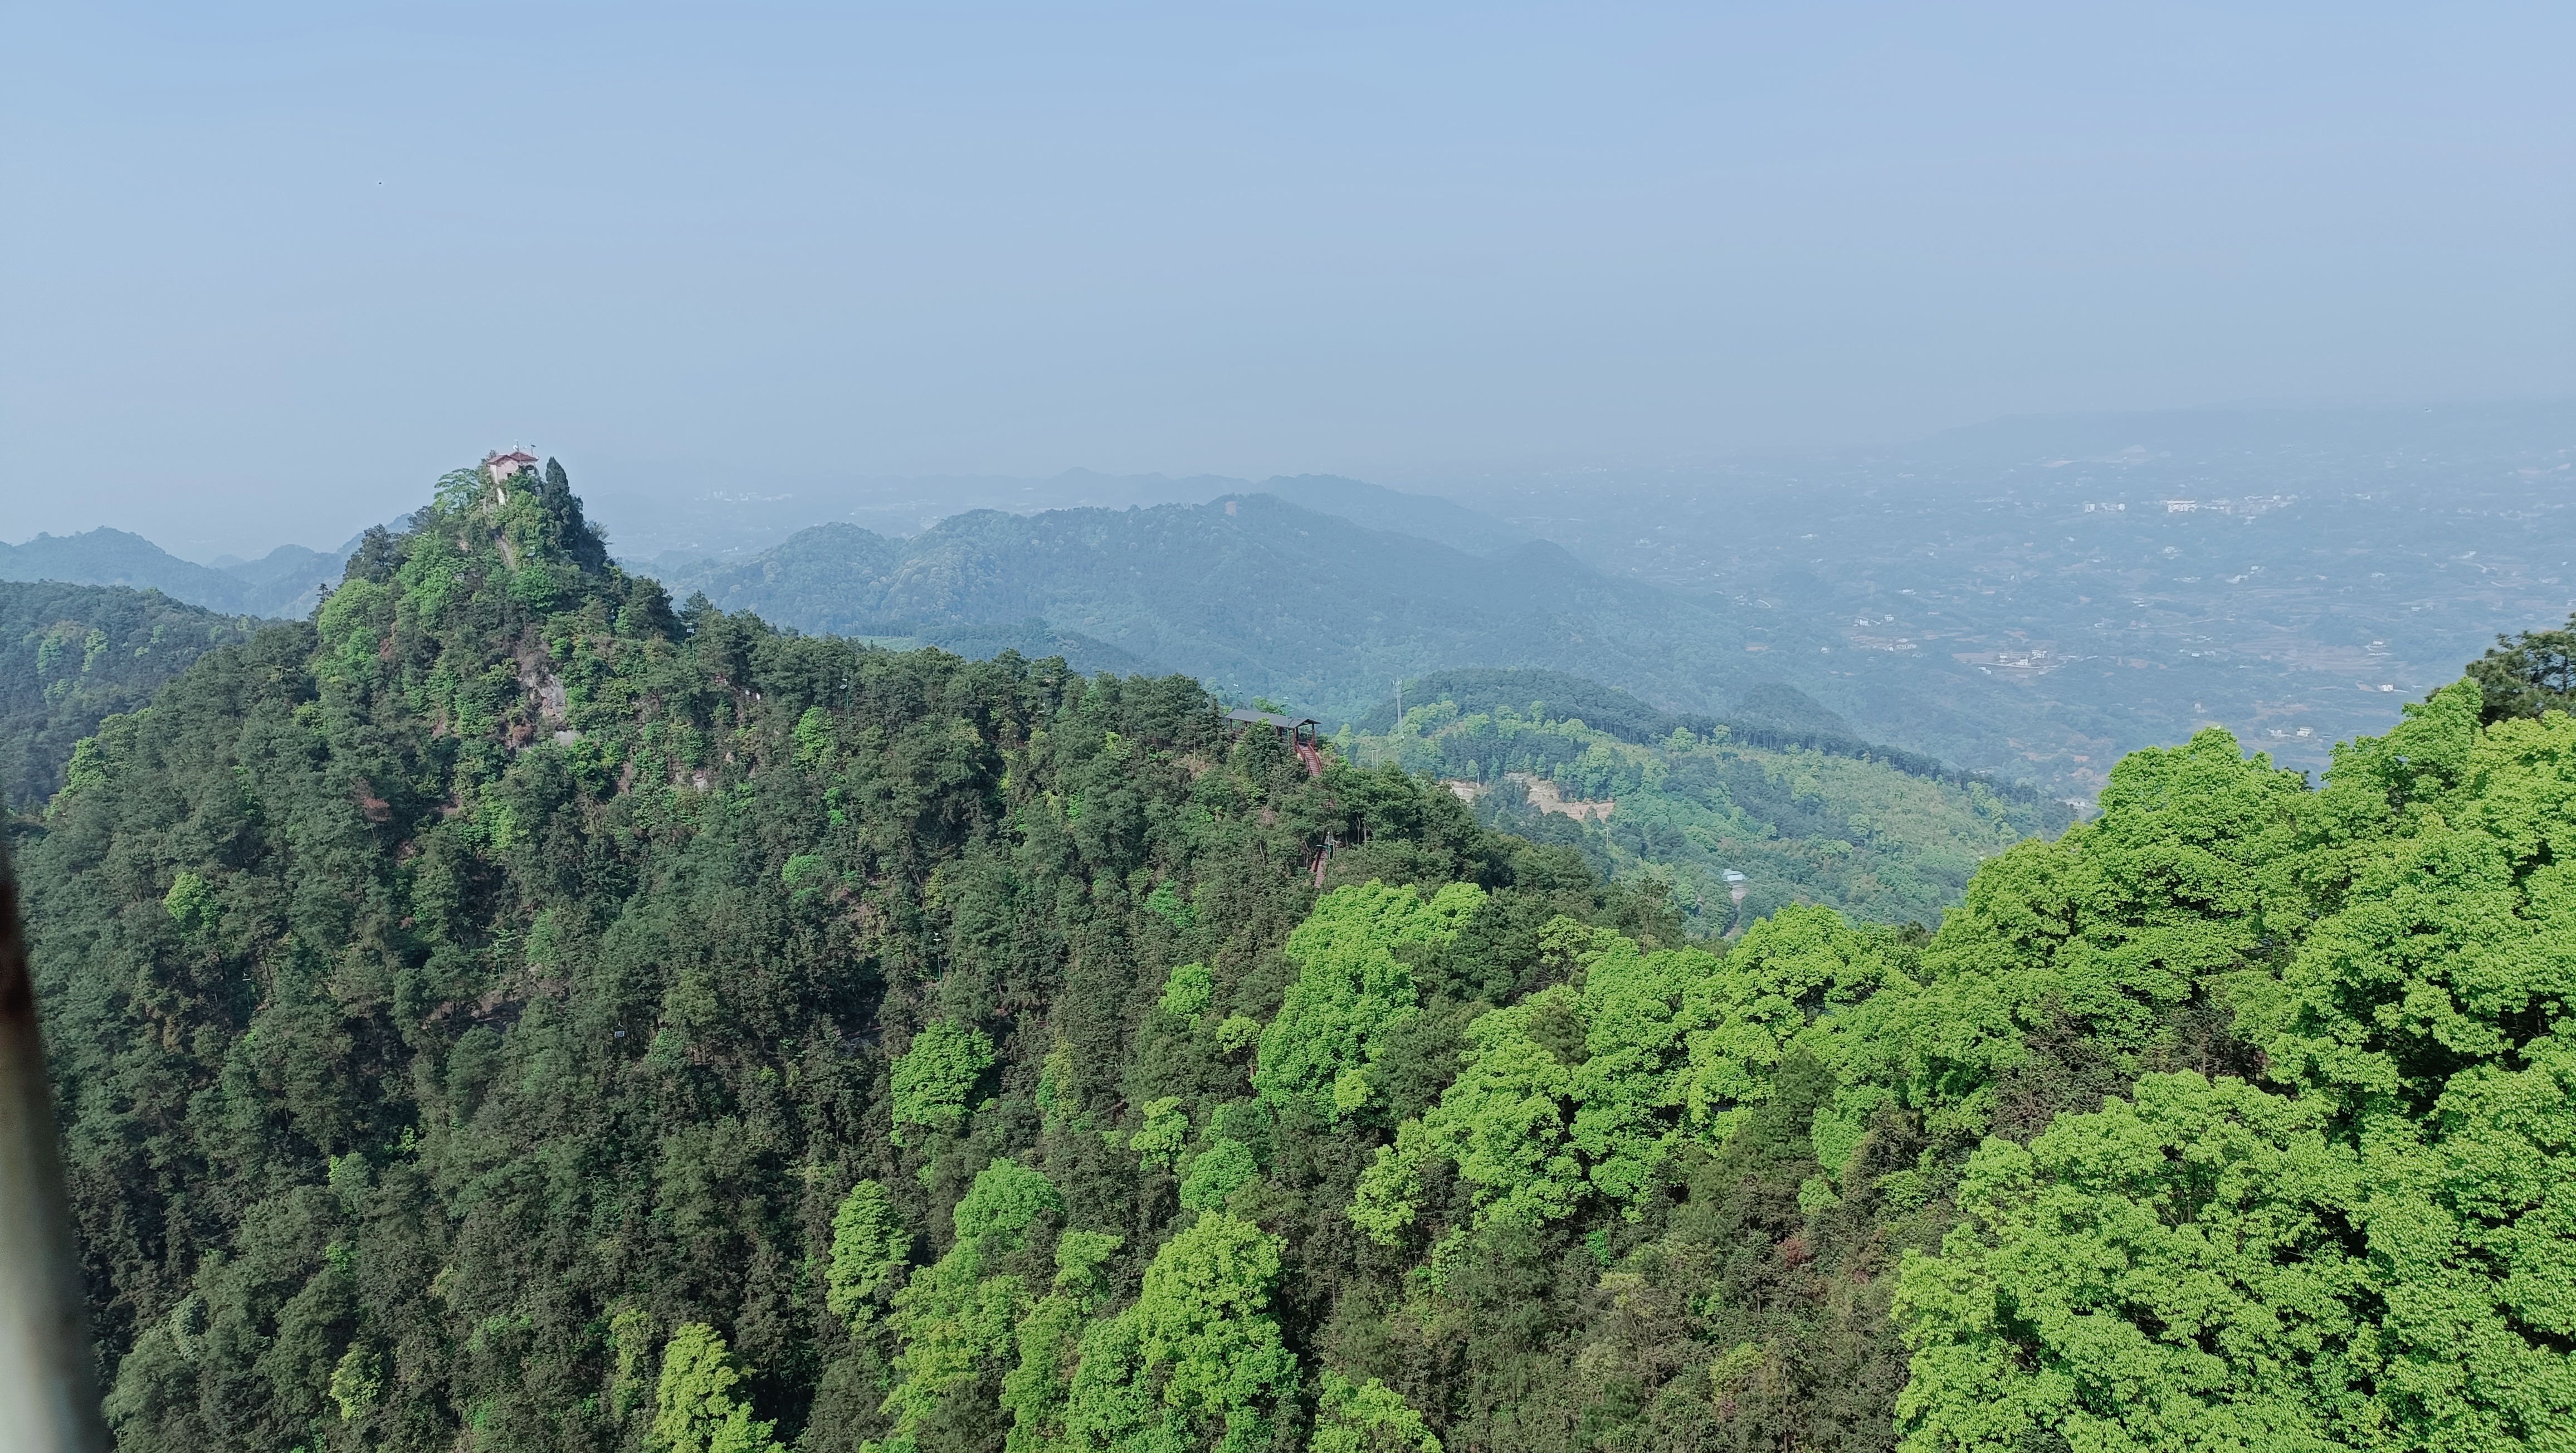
point(934, 1078)
point(1049, 1341)
point(2374, 1250)
point(2175, 1273)
point(1350, 990)
point(1187, 992)
point(871, 1248)
point(956, 1317)
point(1367, 1418)
point(1576, 1092)
point(1198, 1361)
point(1005, 1199)
point(1225, 1167)
point(695, 1408)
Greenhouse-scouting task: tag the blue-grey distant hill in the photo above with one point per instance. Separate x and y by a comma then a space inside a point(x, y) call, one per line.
point(1379, 508)
point(1262, 597)
point(281, 583)
point(660, 533)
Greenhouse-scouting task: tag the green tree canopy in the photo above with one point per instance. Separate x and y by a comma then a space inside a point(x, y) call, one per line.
point(2174, 1273)
point(1198, 1361)
point(1351, 990)
point(2366, 1252)
point(935, 1077)
point(871, 1251)
point(1367, 1418)
point(696, 1410)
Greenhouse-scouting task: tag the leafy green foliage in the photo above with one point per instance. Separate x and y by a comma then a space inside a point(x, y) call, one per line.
point(357, 1383)
point(935, 1078)
point(871, 1252)
point(1225, 1167)
point(1198, 1361)
point(1573, 1093)
point(1187, 992)
point(1165, 1133)
point(1005, 1200)
point(2172, 1273)
point(1036, 1391)
point(192, 905)
point(1350, 991)
point(696, 1410)
point(2373, 1234)
point(955, 1318)
point(1367, 1418)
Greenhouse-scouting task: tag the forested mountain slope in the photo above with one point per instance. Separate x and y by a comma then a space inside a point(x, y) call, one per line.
point(1795, 816)
point(73, 654)
point(503, 1013)
point(1769, 715)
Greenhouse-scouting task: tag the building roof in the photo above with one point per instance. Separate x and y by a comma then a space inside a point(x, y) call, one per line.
point(1270, 718)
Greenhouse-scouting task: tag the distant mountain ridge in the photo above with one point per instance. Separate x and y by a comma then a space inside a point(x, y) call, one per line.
point(660, 532)
point(1255, 593)
point(1261, 596)
point(284, 582)
point(1250, 592)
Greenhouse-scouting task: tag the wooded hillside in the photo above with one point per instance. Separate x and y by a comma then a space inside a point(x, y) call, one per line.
point(506, 1012)
point(71, 655)
point(1685, 807)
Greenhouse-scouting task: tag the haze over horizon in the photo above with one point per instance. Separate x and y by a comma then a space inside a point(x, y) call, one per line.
point(296, 260)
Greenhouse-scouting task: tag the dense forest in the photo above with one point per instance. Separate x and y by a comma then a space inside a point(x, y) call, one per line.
point(72, 655)
point(508, 1011)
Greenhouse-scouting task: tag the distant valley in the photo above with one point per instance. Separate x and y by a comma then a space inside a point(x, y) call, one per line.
point(2107, 582)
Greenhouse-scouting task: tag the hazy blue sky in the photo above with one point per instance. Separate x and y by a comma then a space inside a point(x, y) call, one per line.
point(268, 268)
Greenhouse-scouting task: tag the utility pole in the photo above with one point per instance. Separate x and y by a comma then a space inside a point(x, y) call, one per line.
point(48, 1403)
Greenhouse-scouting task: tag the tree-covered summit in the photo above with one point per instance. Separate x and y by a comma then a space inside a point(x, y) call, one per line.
point(461, 996)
